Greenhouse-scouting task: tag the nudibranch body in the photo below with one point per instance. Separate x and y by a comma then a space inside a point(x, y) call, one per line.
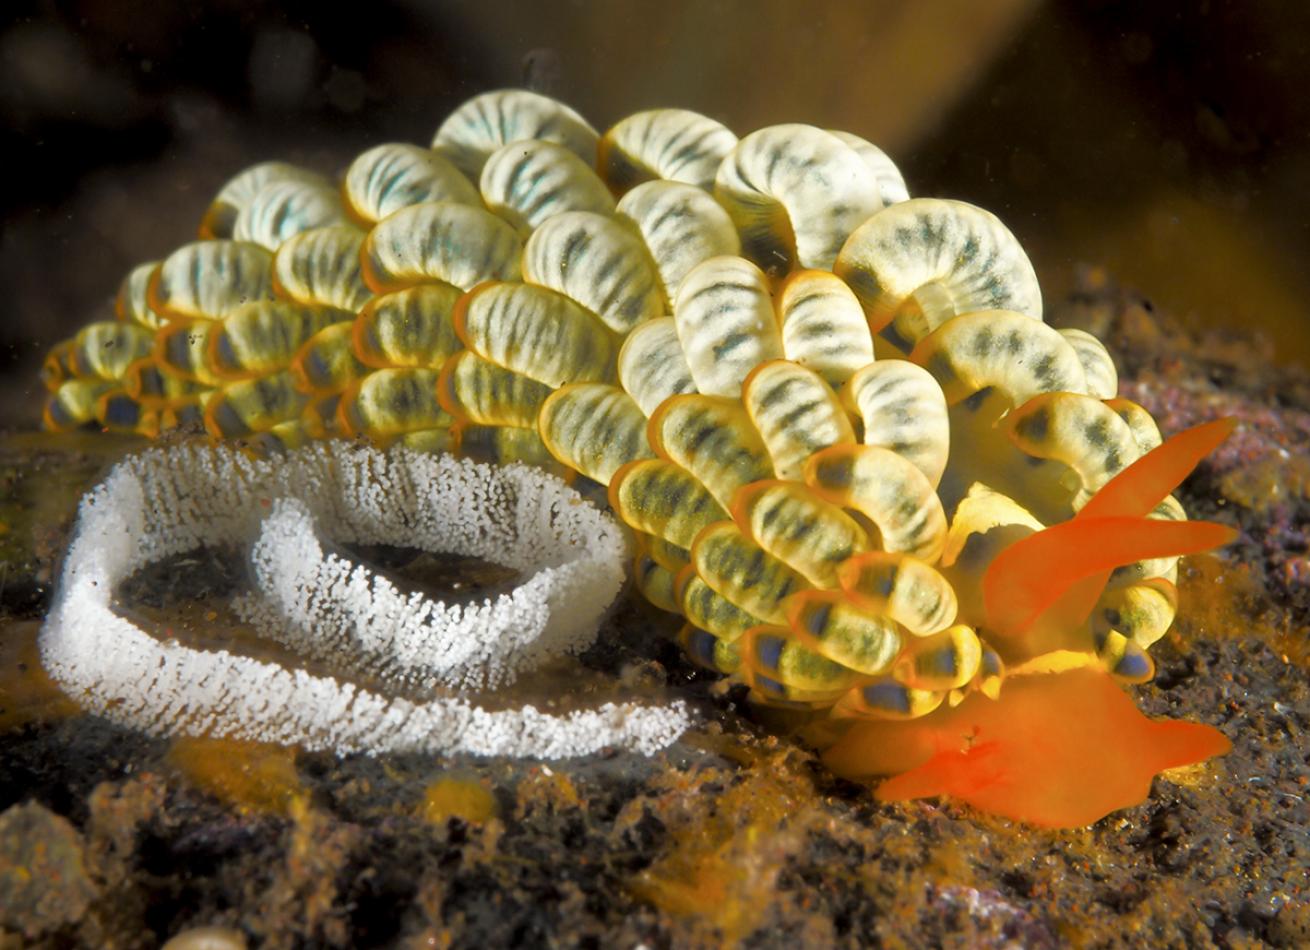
point(852, 455)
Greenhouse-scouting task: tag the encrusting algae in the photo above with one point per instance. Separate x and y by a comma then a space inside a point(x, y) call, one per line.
point(850, 453)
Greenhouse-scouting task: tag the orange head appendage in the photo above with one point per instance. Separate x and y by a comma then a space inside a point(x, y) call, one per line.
point(1064, 567)
point(1059, 750)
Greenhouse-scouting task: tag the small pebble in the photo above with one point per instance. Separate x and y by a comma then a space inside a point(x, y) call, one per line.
point(208, 938)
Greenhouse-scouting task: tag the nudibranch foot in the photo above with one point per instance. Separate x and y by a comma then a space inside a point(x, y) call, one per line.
point(1058, 750)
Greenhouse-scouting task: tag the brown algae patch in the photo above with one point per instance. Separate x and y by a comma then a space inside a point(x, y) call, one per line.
point(1268, 482)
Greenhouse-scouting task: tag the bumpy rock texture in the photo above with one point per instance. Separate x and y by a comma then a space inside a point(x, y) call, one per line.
point(735, 834)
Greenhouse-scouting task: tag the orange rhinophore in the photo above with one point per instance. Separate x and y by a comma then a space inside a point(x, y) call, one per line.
point(1145, 483)
point(1030, 755)
point(1030, 575)
point(1055, 573)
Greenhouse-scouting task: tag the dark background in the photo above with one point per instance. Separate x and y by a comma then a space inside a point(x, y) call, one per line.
point(1171, 146)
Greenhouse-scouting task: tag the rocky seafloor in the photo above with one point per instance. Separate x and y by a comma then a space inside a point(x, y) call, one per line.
point(735, 835)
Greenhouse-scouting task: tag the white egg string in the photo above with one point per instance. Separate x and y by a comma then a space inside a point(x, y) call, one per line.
point(165, 503)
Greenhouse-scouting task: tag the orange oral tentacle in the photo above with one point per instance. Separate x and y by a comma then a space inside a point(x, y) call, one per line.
point(1030, 575)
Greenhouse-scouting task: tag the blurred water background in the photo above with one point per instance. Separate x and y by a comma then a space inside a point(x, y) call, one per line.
point(1169, 143)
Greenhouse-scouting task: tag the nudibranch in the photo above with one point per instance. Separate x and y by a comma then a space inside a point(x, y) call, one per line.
point(850, 453)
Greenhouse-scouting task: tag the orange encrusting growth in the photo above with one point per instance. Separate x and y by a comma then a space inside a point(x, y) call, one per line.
point(1058, 750)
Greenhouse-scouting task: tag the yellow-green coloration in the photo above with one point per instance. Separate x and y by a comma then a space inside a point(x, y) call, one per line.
point(57, 367)
point(942, 661)
point(928, 260)
point(182, 350)
point(787, 214)
point(500, 444)
point(454, 243)
point(885, 488)
point(710, 613)
point(680, 225)
point(657, 583)
point(242, 190)
point(598, 263)
point(413, 327)
point(651, 365)
point(1142, 612)
point(833, 626)
point(668, 554)
point(908, 590)
point(286, 208)
point(725, 323)
point(322, 266)
point(887, 698)
point(328, 361)
point(664, 144)
point(663, 499)
point(536, 332)
point(263, 337)
point(774, 653)
point(392, 402)
point(712, 438)
point(1000, 349)
point(389, 177)
point(254, 405)
point(902, 408)
point(527, 183)
point(823, 325)
point(145, 381)
point(75, 402)
point(797, 526)
point(132, 304)
point(744, 573)
point(709, 649)
point(210, 279)
point(1080, 431)
point(796, 414)
point(105, 350)
point(476, 390)
point(594, 429)
point(823, 409)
